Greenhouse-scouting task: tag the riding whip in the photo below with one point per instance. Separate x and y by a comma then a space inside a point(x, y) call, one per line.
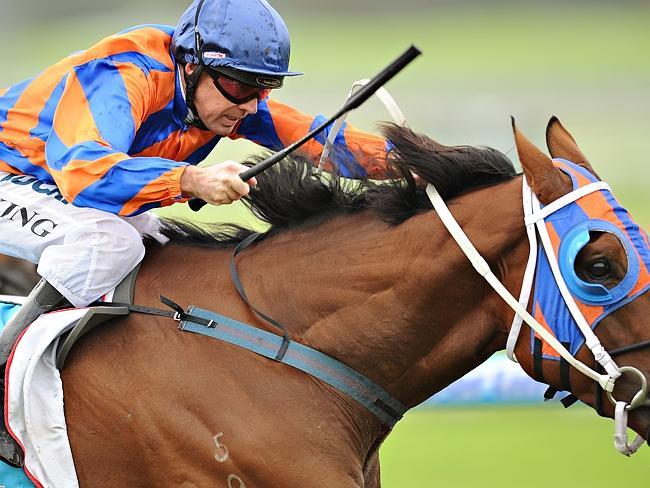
point(353, 102)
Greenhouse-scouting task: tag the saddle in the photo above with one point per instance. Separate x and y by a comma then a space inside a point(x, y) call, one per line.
point(97, 315)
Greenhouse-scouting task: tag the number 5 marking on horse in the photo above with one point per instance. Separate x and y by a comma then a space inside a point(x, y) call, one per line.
point(222, 455)
point(236, 478)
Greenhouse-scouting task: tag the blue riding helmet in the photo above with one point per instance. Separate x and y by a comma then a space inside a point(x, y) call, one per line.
point(244, 39)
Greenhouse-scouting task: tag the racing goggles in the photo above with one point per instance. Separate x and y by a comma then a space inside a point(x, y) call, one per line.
point(236, 91)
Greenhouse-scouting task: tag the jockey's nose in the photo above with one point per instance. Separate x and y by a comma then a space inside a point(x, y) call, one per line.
point(250, 107)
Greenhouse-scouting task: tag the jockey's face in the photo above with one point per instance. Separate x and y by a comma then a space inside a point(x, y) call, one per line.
point(218, 113)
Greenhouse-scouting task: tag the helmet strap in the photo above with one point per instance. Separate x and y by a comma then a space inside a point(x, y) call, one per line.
point(191, 82)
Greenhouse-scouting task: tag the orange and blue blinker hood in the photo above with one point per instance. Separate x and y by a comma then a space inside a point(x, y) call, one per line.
point(569, 230)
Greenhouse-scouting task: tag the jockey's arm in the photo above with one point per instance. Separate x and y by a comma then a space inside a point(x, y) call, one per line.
point(355, 153)
point(94, 126)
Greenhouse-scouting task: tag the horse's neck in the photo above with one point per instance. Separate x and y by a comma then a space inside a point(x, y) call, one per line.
point(401, 304)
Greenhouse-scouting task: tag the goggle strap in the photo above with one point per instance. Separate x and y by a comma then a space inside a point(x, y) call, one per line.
point(191, 81)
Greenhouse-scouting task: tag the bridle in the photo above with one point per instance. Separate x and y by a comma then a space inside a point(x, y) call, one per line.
point(534, 219)
point(637, 401)
point(621, 409)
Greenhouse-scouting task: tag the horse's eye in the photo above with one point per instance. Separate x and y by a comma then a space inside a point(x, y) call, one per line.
point(599, 269)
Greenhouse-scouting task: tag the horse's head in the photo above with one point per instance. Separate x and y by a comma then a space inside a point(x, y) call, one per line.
point(603, 259)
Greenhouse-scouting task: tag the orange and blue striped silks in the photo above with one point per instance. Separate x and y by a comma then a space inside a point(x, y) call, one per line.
point(568, 229)
point(107, 126)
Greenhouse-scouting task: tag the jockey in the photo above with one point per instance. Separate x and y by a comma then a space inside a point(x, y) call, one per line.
point(94, 142)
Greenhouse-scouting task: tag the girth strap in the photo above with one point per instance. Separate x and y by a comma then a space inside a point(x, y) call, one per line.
point(370, 395)
point(345, 379)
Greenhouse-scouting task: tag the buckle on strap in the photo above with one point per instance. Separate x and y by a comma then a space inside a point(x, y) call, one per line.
point(174, 306)
point(181, 315)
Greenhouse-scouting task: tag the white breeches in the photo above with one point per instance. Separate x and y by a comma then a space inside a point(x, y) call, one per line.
point(83, 252)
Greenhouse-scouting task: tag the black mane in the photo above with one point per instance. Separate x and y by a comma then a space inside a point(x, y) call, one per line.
point(292, 193)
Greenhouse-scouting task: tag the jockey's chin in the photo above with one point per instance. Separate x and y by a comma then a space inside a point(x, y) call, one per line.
point(225, 124)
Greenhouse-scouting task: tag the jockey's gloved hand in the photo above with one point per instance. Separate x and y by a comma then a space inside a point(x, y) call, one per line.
point(219, 184)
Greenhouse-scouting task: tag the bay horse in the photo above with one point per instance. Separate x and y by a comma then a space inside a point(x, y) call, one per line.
point(363, 272)
point(17, 277)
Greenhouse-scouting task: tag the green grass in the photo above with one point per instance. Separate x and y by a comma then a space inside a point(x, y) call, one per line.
point(537, 446)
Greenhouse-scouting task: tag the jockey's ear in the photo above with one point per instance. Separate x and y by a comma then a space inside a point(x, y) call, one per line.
point(561, 144)
point(546, 181)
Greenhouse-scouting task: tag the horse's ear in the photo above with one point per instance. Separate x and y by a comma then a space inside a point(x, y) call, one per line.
point(546, 181)
point(561, 144)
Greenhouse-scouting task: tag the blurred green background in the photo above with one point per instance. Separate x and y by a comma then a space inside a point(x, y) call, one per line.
point(587, 62)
